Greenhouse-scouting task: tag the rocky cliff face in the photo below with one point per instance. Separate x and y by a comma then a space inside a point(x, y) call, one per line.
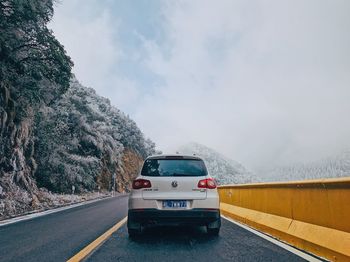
point(17, 165)
point(128, 170)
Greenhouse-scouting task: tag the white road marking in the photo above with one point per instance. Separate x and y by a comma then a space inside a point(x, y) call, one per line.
point(47, 212)
point(275, 241)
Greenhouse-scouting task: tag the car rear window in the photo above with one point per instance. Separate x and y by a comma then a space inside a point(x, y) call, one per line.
point(174, 167)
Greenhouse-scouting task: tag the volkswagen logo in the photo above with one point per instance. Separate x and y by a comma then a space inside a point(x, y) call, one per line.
point(174, 184)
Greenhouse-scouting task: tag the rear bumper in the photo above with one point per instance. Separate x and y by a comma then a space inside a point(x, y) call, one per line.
point(197, 216)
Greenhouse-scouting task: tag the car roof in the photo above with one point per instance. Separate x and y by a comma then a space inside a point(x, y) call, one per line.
point(175, 156)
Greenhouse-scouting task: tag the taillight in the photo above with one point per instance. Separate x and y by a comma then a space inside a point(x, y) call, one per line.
point(207, 183)
point(141, 183)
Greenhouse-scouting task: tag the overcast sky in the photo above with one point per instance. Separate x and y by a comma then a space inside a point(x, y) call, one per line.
point(264, 82)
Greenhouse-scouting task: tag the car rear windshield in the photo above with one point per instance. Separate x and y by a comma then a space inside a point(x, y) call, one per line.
point(174, 167)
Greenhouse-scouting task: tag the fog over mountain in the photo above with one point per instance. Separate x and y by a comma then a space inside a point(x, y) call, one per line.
point(331, 167)
point(228, 171)
point(223, 169)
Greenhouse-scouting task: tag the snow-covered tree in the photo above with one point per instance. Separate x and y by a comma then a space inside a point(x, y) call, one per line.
point(82, 137)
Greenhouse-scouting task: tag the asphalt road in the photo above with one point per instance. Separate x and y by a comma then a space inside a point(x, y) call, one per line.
point(59, 236)
point(190, 244)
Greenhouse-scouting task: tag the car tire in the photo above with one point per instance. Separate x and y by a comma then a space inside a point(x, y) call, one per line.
point(213, 231)
point(134, 232)
point(213, 228)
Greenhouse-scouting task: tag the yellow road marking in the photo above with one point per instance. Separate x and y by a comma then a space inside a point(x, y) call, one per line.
point(98, 241)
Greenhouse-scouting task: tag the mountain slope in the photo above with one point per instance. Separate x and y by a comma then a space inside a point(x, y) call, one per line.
point(337, 166)
point(223, 169)
point(79, 140)
point(34, 71)
point(55, 134)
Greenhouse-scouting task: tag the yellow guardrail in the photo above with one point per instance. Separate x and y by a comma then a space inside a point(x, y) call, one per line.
point(312, 215)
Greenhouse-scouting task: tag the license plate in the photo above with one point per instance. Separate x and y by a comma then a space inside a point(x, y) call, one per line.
point(175, 204)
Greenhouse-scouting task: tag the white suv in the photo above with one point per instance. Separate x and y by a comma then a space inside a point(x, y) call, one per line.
point(174, 190)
